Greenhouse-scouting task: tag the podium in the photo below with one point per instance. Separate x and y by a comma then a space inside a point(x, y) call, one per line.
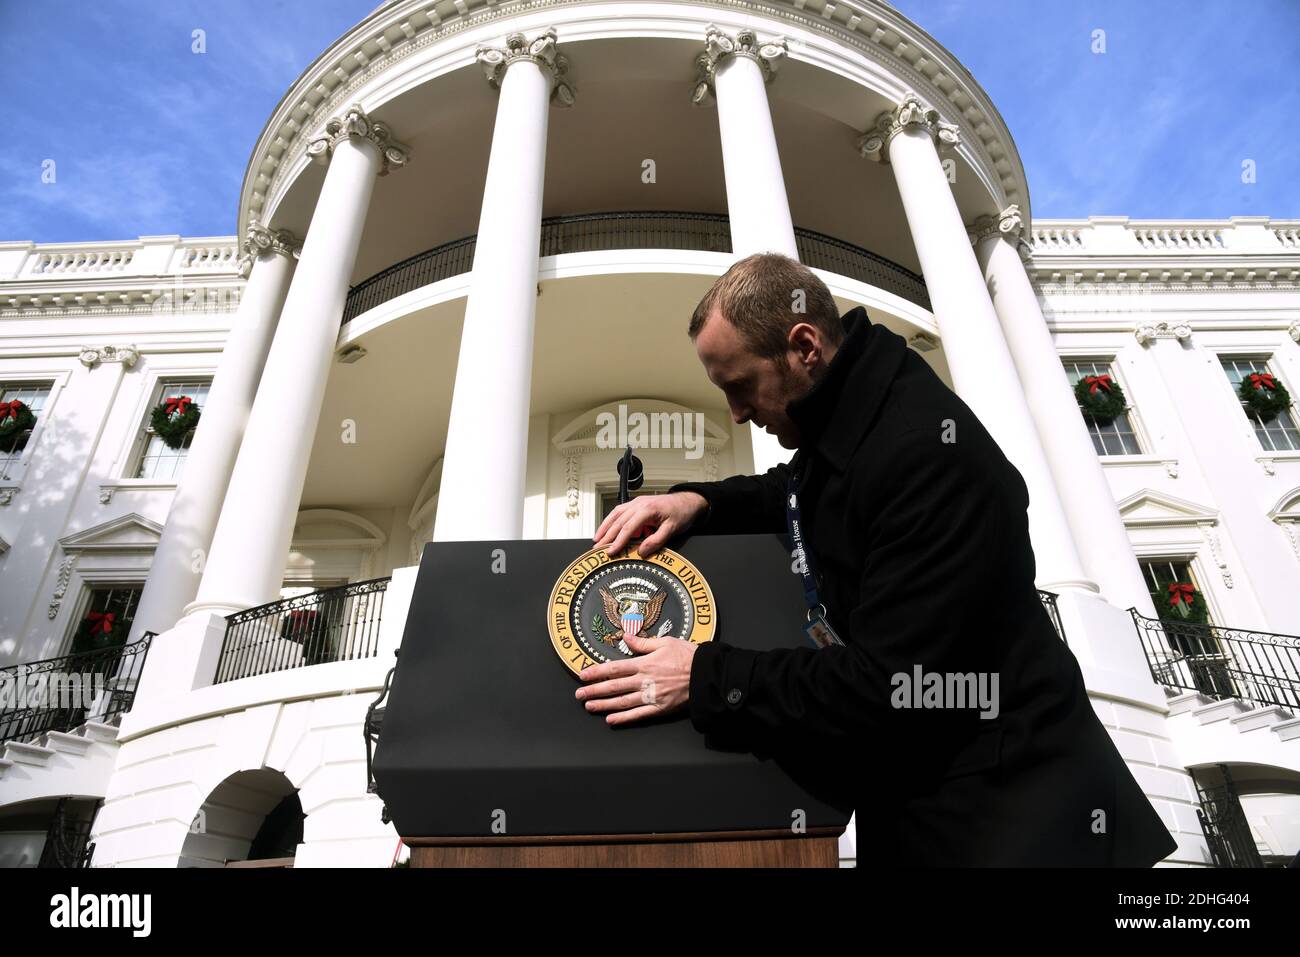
point(485, 758)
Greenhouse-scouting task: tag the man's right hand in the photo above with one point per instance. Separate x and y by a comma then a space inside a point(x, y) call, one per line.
point(667, 515)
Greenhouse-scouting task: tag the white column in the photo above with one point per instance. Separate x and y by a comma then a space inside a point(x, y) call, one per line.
point(246, 564)
point(1099, 532)
point(482, 492)
point(179, 559)
point(983, 373)
point(737, 69)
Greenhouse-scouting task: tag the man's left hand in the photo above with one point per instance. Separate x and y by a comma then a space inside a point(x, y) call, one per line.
point(657, 681)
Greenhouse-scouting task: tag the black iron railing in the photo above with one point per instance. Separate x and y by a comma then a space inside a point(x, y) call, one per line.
point(589, 232)
point(374, 724)
point(1224, 823)
point(332, 624)
point(59, 694)
point(1049, 605)
point(67, 842)
point(1222, 662)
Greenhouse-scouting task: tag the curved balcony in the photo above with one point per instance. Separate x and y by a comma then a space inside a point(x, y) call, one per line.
point(589, 232)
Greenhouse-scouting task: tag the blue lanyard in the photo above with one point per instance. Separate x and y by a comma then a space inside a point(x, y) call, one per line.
point(806, 570)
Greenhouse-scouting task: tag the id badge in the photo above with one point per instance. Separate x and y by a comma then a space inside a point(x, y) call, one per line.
point(819, 631)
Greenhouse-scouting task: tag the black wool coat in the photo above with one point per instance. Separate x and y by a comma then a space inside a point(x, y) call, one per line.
point(917, 525)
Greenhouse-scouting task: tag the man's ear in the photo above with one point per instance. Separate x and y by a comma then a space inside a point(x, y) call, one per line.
point(805, 340)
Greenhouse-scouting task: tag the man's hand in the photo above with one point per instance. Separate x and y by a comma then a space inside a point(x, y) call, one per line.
point(657, 681)
point(664, 515)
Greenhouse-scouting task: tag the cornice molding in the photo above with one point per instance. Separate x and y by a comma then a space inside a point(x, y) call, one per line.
point(872, 30)
point(120, 298)
point(355, 123)
point(910, 114)
point(719, 45)
point(540, 50)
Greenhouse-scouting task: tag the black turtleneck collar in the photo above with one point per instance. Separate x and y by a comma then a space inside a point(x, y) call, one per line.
point(839, 408)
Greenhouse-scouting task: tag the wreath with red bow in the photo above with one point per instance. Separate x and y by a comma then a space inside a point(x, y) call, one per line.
point(174, 418)
point(15, 419)
point(1264, 395)
point(1184, 603)
point(1101, 397)
point(103, 628)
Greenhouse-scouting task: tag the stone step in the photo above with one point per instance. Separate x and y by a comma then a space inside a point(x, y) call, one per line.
point(25, 753)
point(67, 743)
point(5, 765)
point(1288, 730)
point(1264, 717)
point(98, 731)
point(1188, 700)
point(1220, 710)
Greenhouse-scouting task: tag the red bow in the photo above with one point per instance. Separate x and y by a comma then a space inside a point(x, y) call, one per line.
point(10, 409)
point(1180, 593)
point(105, 618)
point(1097, 380)
point(179, 404)
point(299, 616)
point(1265, 377)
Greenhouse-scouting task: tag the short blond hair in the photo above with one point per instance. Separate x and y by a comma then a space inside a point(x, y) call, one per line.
point(757, 296)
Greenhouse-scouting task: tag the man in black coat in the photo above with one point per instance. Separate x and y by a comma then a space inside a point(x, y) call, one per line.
point(917, 528)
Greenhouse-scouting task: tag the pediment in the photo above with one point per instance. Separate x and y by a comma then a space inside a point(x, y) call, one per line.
point(1149, 507)
point(126, 533)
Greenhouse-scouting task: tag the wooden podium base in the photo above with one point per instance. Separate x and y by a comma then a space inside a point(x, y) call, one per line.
point(819, 847)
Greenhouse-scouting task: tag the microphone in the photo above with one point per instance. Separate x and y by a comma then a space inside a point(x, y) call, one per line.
point(631, 475)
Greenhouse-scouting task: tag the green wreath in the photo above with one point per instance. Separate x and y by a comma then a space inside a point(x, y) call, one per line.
point(1101, 397)
point(1182, 602)
point(174, 418)
point(15, 419)
point(1263, 395)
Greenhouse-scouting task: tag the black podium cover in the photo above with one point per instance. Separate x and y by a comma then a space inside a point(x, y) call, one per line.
point(481, 719)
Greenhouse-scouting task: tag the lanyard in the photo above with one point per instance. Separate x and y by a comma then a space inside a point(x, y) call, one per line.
point(807, 573)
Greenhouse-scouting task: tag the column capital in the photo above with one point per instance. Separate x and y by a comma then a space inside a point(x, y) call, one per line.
point(1293, 330)
point(354, 122)
point(1008, 224)
point(541, 50)
point(1150, 331)
point(260, 240)
point(911, 113)
point(718, 45)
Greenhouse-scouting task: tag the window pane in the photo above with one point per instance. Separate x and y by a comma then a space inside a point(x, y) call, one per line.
point(1112, 438)
point(1278, 434)
point(157, 460)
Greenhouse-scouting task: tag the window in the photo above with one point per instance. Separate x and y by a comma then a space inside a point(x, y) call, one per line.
point(1278, 434)
point(34, 396)
point(111, 606)
point(1115, 437)
point(156, 459)
point(1196, 658)
point(1159, 576)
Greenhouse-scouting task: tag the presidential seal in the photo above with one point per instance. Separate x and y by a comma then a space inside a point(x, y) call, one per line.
point(599, 601)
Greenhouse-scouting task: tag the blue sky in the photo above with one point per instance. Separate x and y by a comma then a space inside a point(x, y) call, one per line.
point(150, 138)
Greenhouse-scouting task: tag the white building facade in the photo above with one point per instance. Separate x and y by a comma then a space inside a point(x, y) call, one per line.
point(467, 231)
